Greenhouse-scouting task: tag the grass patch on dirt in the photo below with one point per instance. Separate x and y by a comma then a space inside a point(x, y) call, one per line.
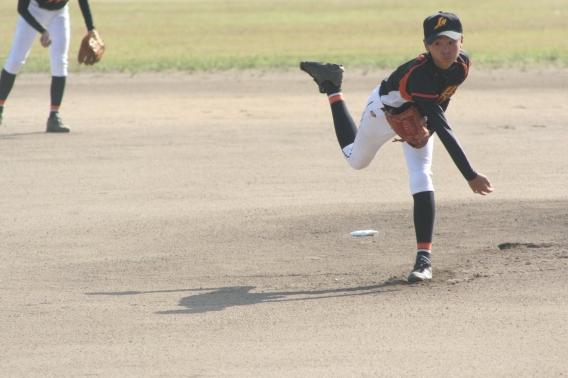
point(188, 35)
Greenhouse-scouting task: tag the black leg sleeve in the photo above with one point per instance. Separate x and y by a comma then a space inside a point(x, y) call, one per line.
point(345, 128)
point(57, 89)
point(6, 83)
point(424, 216)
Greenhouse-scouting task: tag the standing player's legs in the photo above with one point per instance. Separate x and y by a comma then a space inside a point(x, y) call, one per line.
point(24, 37)
point(419, 164)
point(59, 30)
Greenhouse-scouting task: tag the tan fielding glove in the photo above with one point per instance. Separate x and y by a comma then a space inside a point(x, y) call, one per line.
point(92, 48)
point(410, 126)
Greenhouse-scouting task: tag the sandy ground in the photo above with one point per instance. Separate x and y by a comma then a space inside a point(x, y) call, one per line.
point(198, 226)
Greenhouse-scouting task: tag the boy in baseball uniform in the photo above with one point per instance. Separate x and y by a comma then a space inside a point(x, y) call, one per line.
point(427, 82)
point(49, 19)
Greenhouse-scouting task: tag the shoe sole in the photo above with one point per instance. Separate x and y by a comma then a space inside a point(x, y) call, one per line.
point(57, 127)
point(306, 66)
point(418, 277)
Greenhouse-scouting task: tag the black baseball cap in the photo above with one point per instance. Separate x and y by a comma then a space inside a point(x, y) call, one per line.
point(442, 23)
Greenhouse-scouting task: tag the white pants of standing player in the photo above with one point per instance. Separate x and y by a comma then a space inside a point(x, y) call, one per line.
point(374, 131)
point(57, 24)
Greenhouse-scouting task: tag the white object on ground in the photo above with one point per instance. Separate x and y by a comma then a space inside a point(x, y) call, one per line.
point(364, 233)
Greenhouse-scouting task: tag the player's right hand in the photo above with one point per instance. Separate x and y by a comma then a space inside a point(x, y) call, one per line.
point(44, 39)
point(480, 185)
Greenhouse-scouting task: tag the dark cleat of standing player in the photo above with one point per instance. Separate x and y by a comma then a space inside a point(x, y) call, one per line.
point(54, 124)
point(422, 269)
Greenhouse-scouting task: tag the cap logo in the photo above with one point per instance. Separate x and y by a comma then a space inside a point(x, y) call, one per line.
point(441, 22)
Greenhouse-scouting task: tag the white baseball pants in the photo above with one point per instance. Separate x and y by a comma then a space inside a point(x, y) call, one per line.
point(374, 131)
point(57, 24)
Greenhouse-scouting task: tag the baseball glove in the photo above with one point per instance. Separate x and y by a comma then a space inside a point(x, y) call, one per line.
point(409, 125)
point(92, 48)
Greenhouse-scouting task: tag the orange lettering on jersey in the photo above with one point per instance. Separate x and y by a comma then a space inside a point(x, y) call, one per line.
point(448, 92)
point(441, 22)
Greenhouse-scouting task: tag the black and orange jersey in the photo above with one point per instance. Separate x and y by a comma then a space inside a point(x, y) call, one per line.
point(420, 80)
point(421, 83)
point(53, 5)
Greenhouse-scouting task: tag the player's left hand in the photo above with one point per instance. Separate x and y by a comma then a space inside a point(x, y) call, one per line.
point(45, 40)
point(480, 185)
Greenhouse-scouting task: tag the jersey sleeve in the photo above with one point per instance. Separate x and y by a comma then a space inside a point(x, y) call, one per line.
point(438, 123)
point(23, 6)
point(86, 11)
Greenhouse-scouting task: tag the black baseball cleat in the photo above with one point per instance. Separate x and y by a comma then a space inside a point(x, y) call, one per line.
point(54, 125)
point(422, 270)
point(322, 72)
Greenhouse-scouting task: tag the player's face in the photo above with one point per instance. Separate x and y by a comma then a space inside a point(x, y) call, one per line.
point(444, 51)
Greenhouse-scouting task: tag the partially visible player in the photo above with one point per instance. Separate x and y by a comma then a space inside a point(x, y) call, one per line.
point(49, 18)
point(427, 83)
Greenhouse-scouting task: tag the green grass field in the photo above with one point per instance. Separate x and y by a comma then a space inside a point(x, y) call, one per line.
point(190, 35)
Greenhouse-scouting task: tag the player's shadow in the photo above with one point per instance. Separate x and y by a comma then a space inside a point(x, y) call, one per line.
point(12, 136)
point(219, 299)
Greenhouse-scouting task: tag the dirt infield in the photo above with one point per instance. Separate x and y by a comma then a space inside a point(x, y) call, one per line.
point(198, 226)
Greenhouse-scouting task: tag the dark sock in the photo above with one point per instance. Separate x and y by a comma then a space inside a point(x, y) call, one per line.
point(6, 83)
point(57, 89)
point(424, 216)
point(345, 128)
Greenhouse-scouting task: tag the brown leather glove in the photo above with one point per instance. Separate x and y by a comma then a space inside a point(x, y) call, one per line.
point(409, 125)
point(92, 48)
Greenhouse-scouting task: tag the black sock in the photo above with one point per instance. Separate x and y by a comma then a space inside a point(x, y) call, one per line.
point(6, 83)
point(57, 89)
point(424, 216)
point(345, 128)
